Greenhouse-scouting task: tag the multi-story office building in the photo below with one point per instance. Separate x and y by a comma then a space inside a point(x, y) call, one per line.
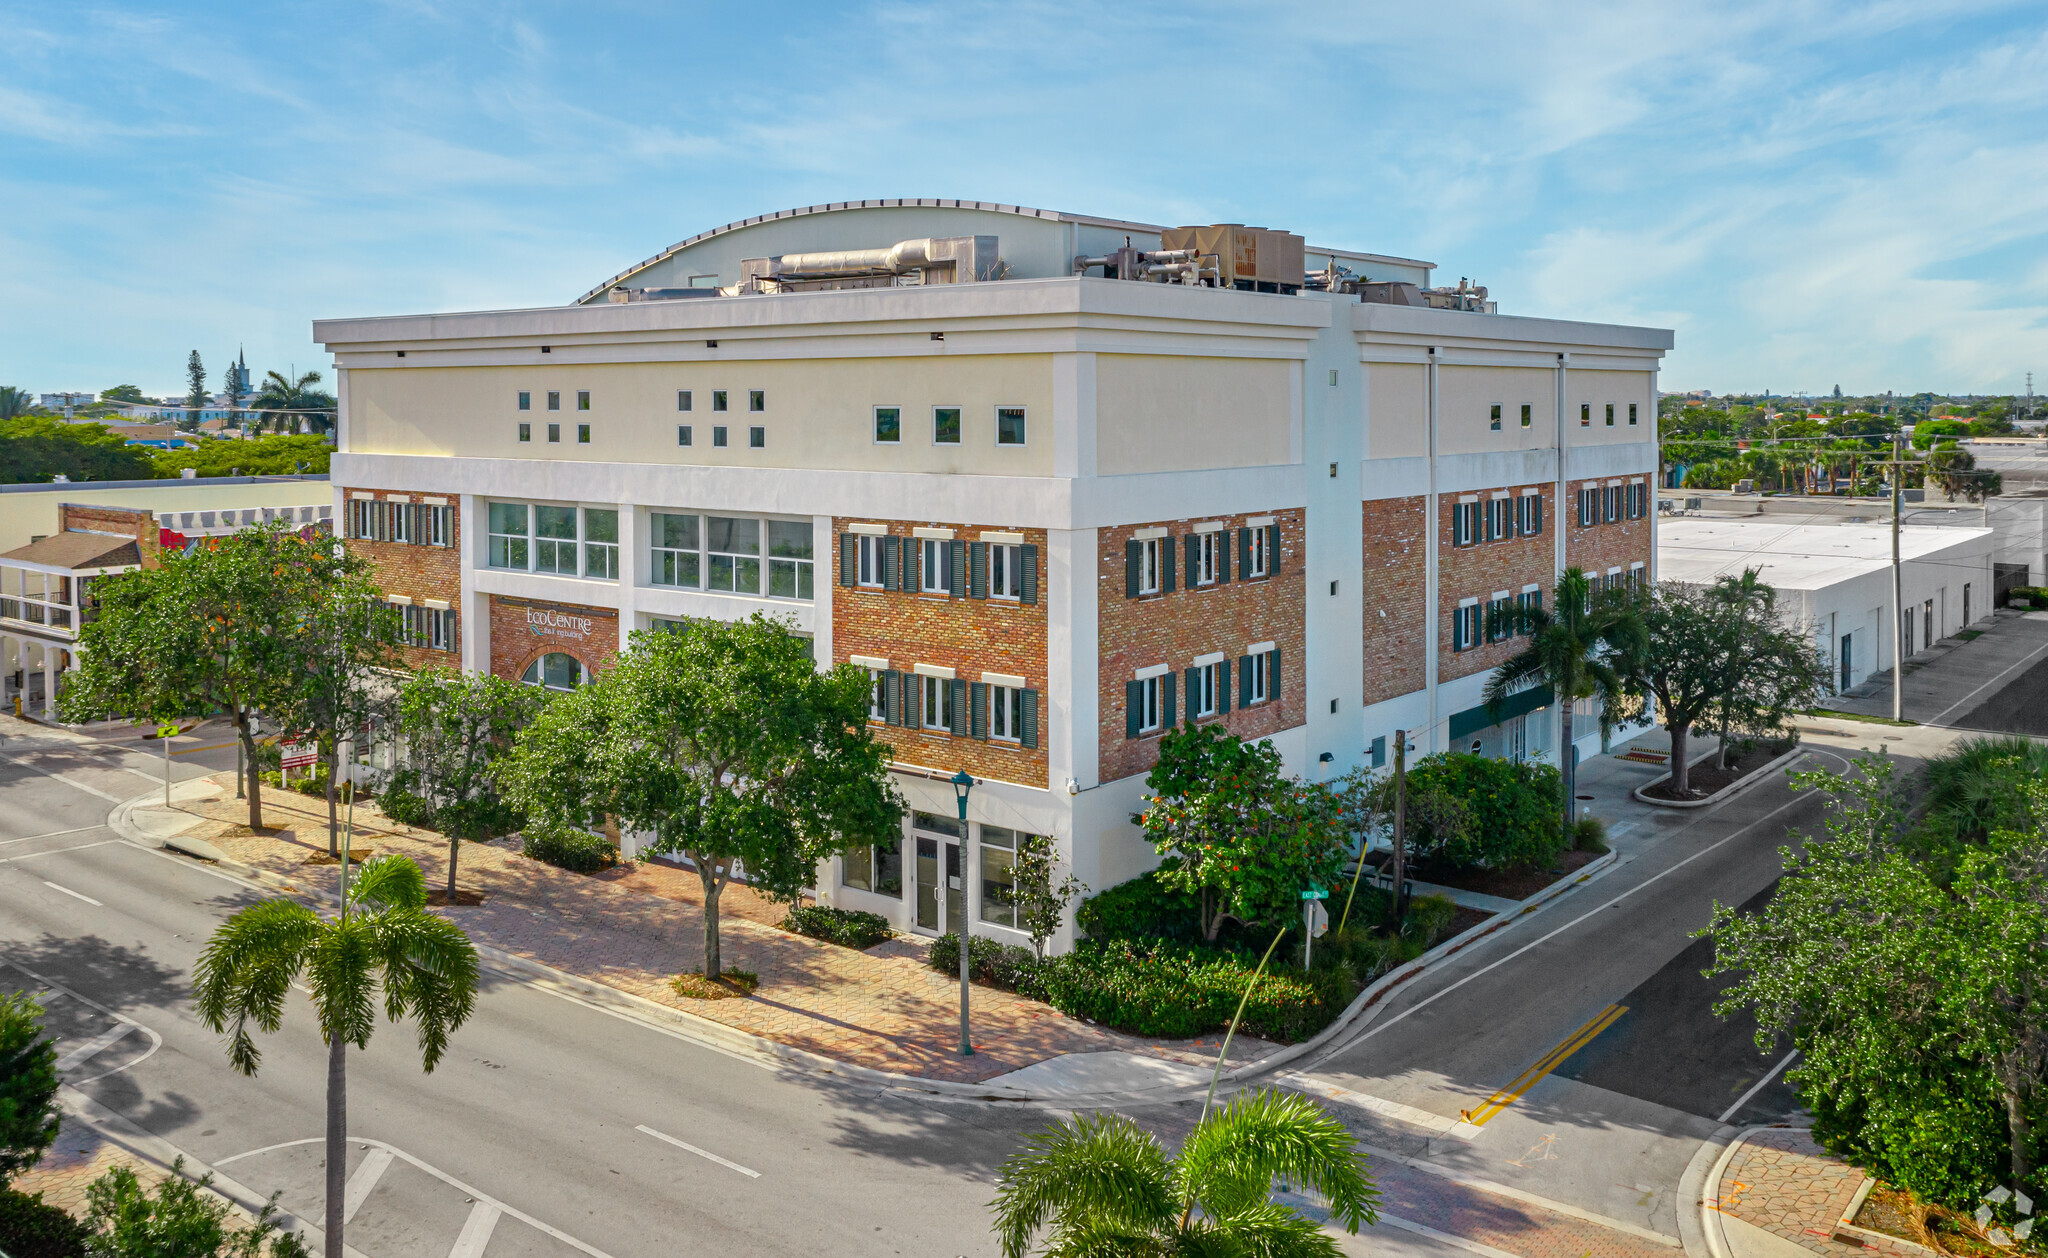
point(1057, 482)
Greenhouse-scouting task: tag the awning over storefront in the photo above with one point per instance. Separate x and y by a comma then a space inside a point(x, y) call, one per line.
point(1521, 703)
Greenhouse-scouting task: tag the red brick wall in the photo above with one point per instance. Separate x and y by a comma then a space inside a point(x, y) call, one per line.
point(523, 630)
point(1173, 628)
point(1394, 583)
point(1479, 571)
point(419, 572)
point(128, 522)
point(969, 635)
point(1603, 546)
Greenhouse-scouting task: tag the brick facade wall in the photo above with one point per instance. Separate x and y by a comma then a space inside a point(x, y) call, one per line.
point(523, 630)
point(126, 521)
point(1602, 546)
point(972, 636)
point(1395, 589)
point(1173, 628)
point(415, 571)
point(1481, 570)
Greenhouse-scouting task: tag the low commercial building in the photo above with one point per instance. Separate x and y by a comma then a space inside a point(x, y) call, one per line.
point(1836, 578)
point(1058, 482)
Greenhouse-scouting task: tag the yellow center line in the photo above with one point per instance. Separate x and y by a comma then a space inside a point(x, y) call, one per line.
point(1550, 1061)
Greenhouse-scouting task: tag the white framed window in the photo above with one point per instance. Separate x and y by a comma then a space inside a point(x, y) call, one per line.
point(789, 559)
point(510, 536)
point(556, 671)
point(1208, 549)
point(878, 697)
point(1147, 693)
point(1257, 676)
point(1149, 558)
point(1497, 628)
point(437, 524)
point(554, 540)
point(402, 521)
point(1208, 682)
point(938, 703)
point(675, 551)
point(1529, 514)
point(601, 543)
point(1499, 524)
point(1005, 714)
point(1494, 418)
point(934, 565)
point(945, 425)
point(1526, 417)
point(998, 848)
point(1465, 624)
point(1005, 572)
point(888, 425)
point(1009, 425)
point(1529, 600)
point(868, 566)
point(1260, 561)
point(1466, 523)
point(732, 550)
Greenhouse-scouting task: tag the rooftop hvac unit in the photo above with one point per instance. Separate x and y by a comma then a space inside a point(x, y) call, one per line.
point(931, 260)
point(1250, 258)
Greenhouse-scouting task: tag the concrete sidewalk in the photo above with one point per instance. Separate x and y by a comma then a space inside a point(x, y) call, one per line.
point(1946, 683)
point(1779, 1195)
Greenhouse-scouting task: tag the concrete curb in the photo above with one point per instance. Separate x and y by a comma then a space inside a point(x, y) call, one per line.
point(745, 1044)
point(1692, 1192)
point(1733, 788)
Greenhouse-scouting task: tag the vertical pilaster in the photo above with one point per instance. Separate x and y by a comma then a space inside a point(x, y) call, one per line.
point(1432, 579)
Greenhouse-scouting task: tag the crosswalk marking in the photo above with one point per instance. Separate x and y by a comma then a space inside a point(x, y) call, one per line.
point(359, 1184)
point(93, 1047)
point(476, 1231)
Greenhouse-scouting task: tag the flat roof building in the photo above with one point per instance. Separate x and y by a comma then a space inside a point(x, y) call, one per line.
point(1057, 482)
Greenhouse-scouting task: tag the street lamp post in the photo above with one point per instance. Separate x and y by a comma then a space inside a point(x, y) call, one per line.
point(963, 783)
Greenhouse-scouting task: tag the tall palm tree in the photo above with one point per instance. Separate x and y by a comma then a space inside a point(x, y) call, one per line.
point(1101, 1185)
point(307, 405)
point(1569, 648)
point(15, 402)
point(381, 938)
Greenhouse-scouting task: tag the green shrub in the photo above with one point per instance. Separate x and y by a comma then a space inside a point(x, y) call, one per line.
point(849, 928)
point(30, 1229)
point(1513, 807)
point(406, 808)
point(1429, 916)
point(1589, 834)
point(1011, 967)
point(1143, 908)
point(178, 1220)
point(1365, 952)
point(577, 851)
point(314, 783)
point(28, 1085)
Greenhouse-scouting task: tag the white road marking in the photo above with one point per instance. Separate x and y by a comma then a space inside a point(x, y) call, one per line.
point(1374, 1104)
point(1470, 1247)
point(93, 1047)
point(476, 1231)
point(66, 780)
point(76, 847)
point(155, 1041)
point(1540, 940)
point(1497, 1189)
point(76, 895)
point(445, 1178)
point(706, 1154)
point(2030, 657)
point(1759, 1086)
point(51, 835)
point(367, 1174)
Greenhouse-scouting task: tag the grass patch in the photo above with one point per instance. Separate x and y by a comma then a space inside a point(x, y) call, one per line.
point(729, 983)
point(1832, 714)
point(1968, 635)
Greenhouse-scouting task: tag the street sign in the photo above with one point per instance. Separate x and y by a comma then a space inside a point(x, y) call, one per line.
point(1315, 893)
point(1318, 918)
point(298, 755)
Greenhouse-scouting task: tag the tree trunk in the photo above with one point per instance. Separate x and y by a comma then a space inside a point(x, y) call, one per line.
point(253, 774)
point(1212, 918)
point(1681, 771)
point(1399, 864)
point(2019, 1131)
point(454, 850)
point(712, 965)
point(333, 828)
point(337, 1140)
point(1565, 760)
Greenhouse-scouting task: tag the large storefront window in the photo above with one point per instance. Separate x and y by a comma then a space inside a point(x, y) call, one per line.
point(725, 553)
point(877, 870)
point(675, 549)
point(556, 671)
point(563, 541)
point(998, 876)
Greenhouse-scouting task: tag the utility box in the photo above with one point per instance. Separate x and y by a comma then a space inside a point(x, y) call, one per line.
point(1249, 258)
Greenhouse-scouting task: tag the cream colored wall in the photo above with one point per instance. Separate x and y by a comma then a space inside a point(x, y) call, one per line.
point(1157, 413)
point(820, 412)
point(1398, 405)
point(25, 516)
point(1597, 389)
point(1465, 400)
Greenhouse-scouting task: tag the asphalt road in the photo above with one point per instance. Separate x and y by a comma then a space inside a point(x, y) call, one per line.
point(2020, 706)
point(552, 1127)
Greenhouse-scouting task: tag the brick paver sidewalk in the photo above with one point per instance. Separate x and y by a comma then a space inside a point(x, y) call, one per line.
point(635, 929)
point(80, 1156)
point(1781, 1181)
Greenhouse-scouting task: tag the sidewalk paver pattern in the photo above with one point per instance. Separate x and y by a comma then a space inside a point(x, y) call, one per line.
point(635, 929)
point(1782, 1182)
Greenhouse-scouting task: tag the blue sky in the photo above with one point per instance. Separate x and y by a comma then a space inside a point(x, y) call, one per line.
point(1809, 193)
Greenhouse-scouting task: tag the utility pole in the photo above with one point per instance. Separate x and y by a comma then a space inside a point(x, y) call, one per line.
point(1898, 584)
point(1399, 865)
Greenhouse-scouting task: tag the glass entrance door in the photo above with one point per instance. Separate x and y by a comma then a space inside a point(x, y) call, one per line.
point(928, 884)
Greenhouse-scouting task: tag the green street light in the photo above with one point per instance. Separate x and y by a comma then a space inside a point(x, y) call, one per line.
point(963, 783)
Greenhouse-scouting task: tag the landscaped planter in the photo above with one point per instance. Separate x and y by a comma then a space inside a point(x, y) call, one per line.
point(1740, 784)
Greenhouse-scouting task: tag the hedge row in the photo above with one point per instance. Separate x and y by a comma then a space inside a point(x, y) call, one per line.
point(849, 928)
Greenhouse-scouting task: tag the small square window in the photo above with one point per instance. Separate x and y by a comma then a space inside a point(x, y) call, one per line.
point(888, 425)
point(946, 425)
point(526, 432)
point(1631, 414)
point(554, 401)
point(554, 432)
point(718, 434)
point(757, 438)
point(582, 399)
point(718, 399)
point(525, 400)
point(757, 400)
point(682, 434)
point(1009, 425)
point(1585, 414)
point(682, 399)
point(1525, 414)
point(583, 434)
point(1495, 417)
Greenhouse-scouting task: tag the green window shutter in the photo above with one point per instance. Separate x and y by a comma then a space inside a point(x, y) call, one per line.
point(1027, 719)
point(1223, 556)
point(1244, 552)
point(1194, 688)
point(913, 565)
point(977, 570)
point(1134, 564)
point(1273, 691)
point(1244, 681)
point(849, 558)
point(1027, 574)
point(1134, 704)
point(1272, 550)
point(1166, 565)
point(978, 702)
point(956, 580)
point(1188, 545)
point(892, 697)
point(892, 563)
point(1168, 715)
point(1222, 686)
point(960, 713)
point(1536, 513)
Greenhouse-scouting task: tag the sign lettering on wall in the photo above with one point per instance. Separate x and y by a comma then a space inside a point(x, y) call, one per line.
point(547, 622)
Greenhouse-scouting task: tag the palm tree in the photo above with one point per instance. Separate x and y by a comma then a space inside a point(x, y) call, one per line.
point(282, 393)
point(1101, 1185)
point(382, 938)
point(15, 402)
point(1569, 647)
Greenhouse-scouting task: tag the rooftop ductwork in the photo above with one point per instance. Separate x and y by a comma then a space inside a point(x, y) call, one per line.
point(930, 260)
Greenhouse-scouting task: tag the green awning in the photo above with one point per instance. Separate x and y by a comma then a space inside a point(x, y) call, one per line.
point(1521, 703)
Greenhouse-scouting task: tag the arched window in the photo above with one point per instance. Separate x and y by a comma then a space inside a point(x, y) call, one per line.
point(556, 671)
